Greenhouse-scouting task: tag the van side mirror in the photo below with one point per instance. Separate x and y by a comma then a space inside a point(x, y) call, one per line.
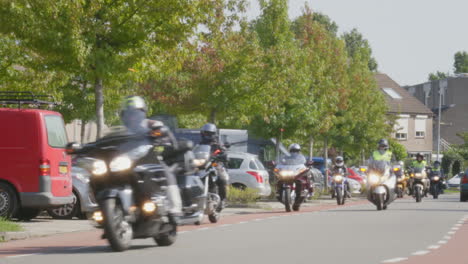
point(72, 147)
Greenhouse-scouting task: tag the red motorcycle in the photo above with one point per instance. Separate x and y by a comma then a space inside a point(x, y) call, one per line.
point(294, 184)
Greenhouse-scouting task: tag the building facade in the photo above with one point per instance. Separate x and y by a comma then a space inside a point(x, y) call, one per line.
point(413, 124)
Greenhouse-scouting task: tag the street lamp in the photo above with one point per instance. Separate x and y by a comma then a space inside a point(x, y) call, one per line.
point(442, 86)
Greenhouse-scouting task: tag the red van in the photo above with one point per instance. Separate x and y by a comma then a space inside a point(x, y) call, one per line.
point(35, 168)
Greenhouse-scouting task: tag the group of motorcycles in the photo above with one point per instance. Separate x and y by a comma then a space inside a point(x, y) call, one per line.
point(386, 182)
point(131, 177)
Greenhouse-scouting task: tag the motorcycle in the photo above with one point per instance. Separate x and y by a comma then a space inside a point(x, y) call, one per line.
point(293, 182)
point(340, 188)
point(401, 181)
point(435, 183)
point(207, 165)
point(129, 182)
point(381, 184)
point(419, 183)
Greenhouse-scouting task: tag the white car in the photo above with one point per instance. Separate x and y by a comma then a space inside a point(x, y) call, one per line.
point(246, 171)
point(454, 182)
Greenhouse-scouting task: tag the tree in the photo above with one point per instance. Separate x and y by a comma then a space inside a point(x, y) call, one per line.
point(399, 151)
point(437, 76)
point(324, 20)
point(354, 41)
point(100, 39)
point(461, 62)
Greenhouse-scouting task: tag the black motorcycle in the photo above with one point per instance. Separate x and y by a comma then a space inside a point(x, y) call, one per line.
point(436, 183)
point(419, 183)
point(129, 182)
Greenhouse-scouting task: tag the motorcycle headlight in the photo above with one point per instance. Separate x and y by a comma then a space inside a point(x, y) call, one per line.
point(373, 179)
point(99, 168)
point(435, 178)
point(286, 173)
point(418, 175)
point(400, 179)
point(338, 178)
point(199, 162)
point(120, 163)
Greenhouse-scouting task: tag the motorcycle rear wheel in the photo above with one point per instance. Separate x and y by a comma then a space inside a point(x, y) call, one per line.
point(118, 232)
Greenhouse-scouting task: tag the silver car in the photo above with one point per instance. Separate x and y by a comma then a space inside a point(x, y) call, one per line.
point(83, 202)
point(246, 171)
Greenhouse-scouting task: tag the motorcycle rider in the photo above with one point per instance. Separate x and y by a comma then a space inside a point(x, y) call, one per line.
point(437, 168)
point(421, 164)
point(339, 164)
point(133, 116)
point(382, 153)
point(209, 136)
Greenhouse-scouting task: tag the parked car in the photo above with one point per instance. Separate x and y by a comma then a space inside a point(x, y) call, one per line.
point(35, 168)
point(464, 186)
point(356, 176)
point(454, 182)
point(246, 171)
point(354, 186)
point(84, 201)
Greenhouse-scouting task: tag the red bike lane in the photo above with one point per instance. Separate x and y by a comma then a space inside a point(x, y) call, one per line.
point(76, 240)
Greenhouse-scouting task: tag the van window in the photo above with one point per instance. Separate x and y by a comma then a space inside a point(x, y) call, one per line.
point(234, 163)
point(56, 134)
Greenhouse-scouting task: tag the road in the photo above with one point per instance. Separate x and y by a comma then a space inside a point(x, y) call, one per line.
point(408, 232)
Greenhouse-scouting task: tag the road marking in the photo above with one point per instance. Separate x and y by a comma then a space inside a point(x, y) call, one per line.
point(258, 219)
point(24, 255)
point(394, 260)
point(182, 232)
point(243, 222)
point(447, 237)
point(273, 217)
point(455, 228)
point(203, 228)
point(225, 225)
point(420, 253)
point(451, 232)
point(442, 242)
point(433, 247)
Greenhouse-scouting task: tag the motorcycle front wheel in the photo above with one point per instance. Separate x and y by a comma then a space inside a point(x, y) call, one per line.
point(168, 238)
point(379, 201)
point(418, 195)
point(287, 199)
point(118, 232)
point(435, 192)
point(339, 196)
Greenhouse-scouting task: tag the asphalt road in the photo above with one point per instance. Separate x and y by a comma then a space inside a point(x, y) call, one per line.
point(350, 234)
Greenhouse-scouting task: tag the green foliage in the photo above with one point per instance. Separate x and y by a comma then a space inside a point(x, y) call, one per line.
point(354, 42)
point(238, 196)
point(437, 76)
point(8, 226)
point(399, 151)
point(461, 62)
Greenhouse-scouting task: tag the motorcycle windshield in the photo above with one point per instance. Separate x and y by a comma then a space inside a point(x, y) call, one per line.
point(202, 152)
point(293, 162)
point(379, 167)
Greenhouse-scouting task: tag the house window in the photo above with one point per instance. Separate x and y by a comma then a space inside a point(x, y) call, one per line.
point(401, 136)
point(392, 93)
point(420, 126)
point(420, 134)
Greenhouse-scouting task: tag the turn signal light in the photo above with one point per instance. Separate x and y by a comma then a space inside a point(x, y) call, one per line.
point(44, 167)
point(97, 216)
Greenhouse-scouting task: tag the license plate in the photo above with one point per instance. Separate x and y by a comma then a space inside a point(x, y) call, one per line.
point(63, 169)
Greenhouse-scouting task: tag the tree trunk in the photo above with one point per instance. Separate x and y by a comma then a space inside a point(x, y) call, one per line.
point(311, 147)
point(99, 97)
point(213, 116)
point(277, 149)
point(83, 131)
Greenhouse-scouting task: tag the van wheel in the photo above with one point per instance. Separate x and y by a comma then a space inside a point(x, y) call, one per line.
point(26, 214)
point(8, 201)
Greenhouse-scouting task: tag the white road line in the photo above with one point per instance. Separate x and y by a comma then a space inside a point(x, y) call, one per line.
point(433, 247)
point(447, 237)
point(394, 260)
point(442, 242)
point(420, 253)
point(455, 228)
point(24, 255)
point(258, 219)
point(243, 222)
point(182, 232)
point(458, 225)
point(225, 225)
point(203, 228)
point(451, 232)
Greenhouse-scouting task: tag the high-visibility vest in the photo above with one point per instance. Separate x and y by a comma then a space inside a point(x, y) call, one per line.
point(419, 165)
point(436, 169)
point(387, 156)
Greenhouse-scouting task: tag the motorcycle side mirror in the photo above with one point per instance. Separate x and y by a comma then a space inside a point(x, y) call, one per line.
point(72, 147)
point(271, 164)
point(310, 163)
point(185, 145)
point(159, 131)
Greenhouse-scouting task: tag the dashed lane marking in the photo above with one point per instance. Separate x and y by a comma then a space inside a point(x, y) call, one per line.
point(420, 253)
point(442, 242)
point(433, 247)
point(394, 260)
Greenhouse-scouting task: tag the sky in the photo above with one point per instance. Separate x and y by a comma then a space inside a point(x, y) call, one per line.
point(409, 38)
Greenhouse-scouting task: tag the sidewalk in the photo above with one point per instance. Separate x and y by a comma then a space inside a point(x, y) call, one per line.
point(46, 226)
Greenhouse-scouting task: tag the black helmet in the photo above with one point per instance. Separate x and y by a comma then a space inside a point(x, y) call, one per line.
point(294, 148)
point(339, 161)
point(436, 162)
point(383, 143)
point(208, 132)
point(419, 155)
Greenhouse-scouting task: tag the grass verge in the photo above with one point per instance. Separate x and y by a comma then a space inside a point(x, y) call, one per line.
point(9, 226)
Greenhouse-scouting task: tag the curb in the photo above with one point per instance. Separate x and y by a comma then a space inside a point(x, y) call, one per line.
point(18, 235)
